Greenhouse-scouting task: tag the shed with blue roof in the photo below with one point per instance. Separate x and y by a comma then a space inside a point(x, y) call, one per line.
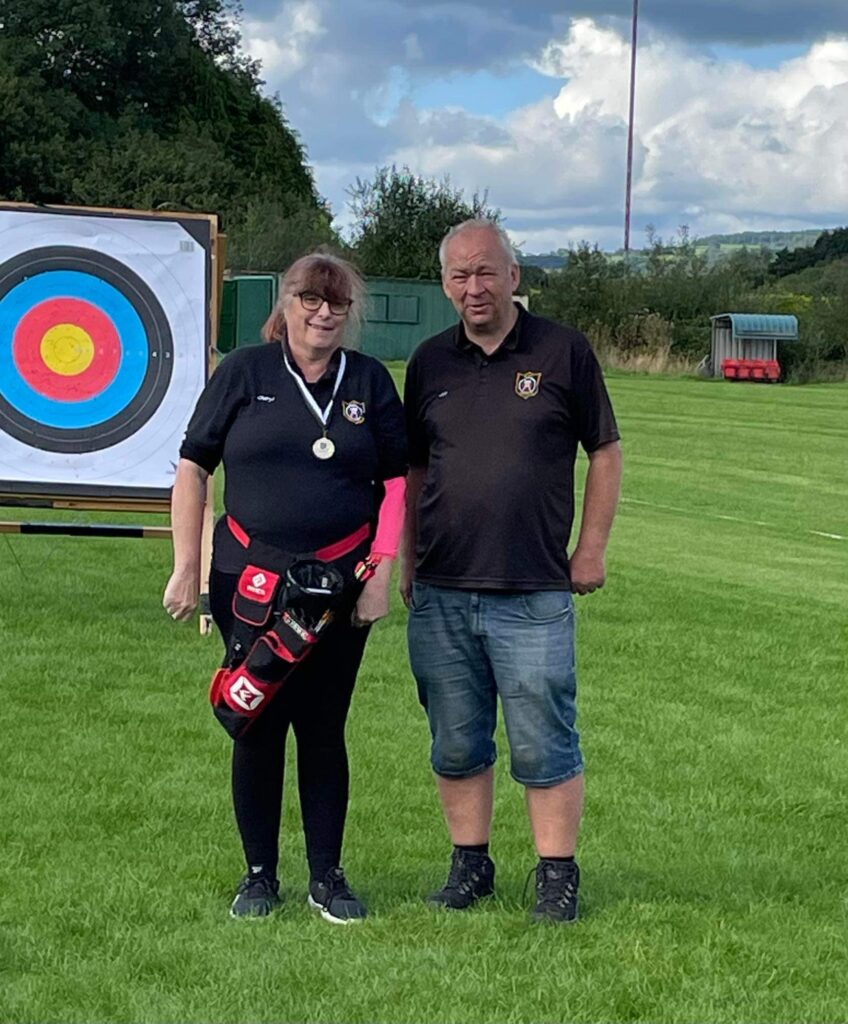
point(746, 336)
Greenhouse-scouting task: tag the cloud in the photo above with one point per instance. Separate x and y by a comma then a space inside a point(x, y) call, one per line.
point(412, 48)
point(285, 53)
point(368, 37)
point(718, 144)
point(744, 22)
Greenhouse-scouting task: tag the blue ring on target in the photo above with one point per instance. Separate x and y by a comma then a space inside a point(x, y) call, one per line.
point(143, 376)
point(134, 352)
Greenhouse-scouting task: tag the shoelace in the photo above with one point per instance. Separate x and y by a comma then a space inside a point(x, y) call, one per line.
point(337, 884)
point(256, 885)
point(560, 889)
point(556, 887)
point(461, 877)
point(526, 885)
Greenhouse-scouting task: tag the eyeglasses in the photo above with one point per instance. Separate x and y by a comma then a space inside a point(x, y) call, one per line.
point(312, 302)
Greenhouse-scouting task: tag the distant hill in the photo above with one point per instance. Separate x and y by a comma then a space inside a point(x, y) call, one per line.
point(547, 261)
point(770, 239)
point(774, 240)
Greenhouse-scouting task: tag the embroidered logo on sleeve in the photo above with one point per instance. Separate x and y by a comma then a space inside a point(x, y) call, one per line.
point(527, 384)
point(266, 398)
point(354, 411)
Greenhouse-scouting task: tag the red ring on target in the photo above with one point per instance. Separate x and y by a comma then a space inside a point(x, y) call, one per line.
point(74, 386)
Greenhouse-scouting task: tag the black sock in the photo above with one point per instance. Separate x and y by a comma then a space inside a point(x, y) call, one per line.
point(559, 860)
point(481, 848)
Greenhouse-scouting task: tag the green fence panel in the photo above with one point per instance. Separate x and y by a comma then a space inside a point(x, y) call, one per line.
point(401, 313)
point(245, 306)
point(227, 327)
point(256, 297)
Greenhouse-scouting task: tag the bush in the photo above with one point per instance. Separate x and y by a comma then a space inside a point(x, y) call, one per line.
point(271, 234)
point(653, 313)
point(818, 296)
point(642, 342)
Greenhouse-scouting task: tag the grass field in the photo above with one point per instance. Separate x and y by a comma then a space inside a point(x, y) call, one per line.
point(713, 710)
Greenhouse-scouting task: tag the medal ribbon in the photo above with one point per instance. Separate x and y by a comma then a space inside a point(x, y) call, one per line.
point(323, 417)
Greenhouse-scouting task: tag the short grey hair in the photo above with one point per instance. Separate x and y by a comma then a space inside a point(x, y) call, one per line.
point(477, 223)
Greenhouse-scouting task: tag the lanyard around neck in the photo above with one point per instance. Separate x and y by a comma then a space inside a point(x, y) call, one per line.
point(323, 416)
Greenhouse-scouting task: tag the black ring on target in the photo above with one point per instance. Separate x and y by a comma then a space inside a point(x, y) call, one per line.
point(128, 411)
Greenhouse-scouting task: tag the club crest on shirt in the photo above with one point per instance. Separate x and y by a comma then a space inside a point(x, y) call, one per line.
point(354, 411)
point(527, 384)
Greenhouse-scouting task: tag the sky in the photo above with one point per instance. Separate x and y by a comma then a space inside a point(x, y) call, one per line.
point(741, 107)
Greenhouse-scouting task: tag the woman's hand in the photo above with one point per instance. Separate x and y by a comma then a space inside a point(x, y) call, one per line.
point(373, 603)
point(187, 502)
point(182, 594)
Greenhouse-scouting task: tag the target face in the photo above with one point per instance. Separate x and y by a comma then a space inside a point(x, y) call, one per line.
point(104, 332)
point(88, 346)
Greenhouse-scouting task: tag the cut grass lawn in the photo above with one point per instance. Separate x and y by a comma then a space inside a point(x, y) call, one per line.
point(713, 708)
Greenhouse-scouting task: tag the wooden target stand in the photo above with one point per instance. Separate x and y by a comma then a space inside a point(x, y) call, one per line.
point(161, 506)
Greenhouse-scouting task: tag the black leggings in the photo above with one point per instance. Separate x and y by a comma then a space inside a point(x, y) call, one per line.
point(314, 702)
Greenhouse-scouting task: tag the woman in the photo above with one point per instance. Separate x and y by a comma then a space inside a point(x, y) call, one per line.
point(312, 440)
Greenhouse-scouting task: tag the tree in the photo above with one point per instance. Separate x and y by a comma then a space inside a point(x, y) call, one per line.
point(401, 217)
point(830, 245)
point(143, 104)
point(213, 23)
point(269, 234)
point(533, 278)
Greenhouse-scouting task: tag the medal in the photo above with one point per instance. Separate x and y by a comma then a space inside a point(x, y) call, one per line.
point(323, 448)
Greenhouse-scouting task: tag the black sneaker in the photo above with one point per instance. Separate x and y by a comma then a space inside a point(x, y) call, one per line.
point(257, 896)
point(472, 876)
point(557, 883)
point(335, 899)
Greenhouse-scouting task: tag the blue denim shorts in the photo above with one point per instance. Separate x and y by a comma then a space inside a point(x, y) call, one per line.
point(466, 648)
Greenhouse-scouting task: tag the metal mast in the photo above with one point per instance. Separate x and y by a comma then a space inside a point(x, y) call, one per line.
point(627, 202)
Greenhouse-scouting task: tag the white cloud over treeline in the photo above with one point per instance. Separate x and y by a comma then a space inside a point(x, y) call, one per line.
point(721, 146)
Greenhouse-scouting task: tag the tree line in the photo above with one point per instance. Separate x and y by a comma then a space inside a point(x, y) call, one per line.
point(149, 105)
point(655, 314)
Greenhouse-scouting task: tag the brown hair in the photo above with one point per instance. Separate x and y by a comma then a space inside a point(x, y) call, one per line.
point(328, 275)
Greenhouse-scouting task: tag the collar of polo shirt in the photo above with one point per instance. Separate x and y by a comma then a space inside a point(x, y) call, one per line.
point(329, 373)
point(510, 342)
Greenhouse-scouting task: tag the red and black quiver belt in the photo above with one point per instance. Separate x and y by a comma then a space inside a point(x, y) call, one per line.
point(282, 607)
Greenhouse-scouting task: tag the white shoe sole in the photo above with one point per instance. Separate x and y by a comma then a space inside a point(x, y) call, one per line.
point(329, 917)
point(250, 917)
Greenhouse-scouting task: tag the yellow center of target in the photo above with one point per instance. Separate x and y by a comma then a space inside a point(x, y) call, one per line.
point(67, 349)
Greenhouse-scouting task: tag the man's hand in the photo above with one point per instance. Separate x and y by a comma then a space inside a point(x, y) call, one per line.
point(182, 594)
point(600, 498)
point(405, 585)
point(373, 603)
point(588, 571)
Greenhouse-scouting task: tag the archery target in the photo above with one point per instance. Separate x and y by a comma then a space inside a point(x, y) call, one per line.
point(89, 352)
point(103, 337)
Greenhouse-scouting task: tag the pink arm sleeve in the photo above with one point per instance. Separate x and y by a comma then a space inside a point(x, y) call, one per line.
point(390, 520)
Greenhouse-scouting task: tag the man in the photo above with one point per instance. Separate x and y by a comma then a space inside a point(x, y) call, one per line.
point(495, 408)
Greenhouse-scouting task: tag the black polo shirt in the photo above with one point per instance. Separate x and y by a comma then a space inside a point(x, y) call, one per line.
point(498, 435)
point(253, 417)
